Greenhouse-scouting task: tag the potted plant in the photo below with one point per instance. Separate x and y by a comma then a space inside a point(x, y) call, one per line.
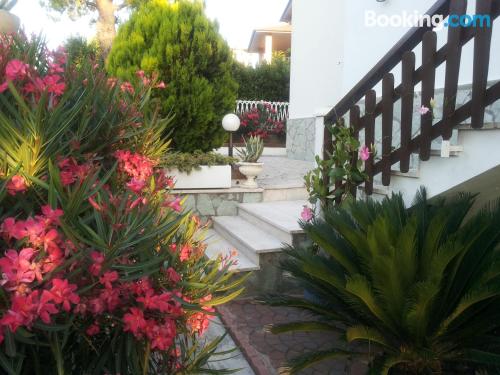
point(249, 165)
point(9, 22)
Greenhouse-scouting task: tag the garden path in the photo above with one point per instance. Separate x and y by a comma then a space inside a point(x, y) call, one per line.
point(246, 321)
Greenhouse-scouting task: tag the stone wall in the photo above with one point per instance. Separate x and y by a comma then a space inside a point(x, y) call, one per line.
point(300, 138)
point(219, 203)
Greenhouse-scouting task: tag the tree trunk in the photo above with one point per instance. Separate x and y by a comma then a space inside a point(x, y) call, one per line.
point(106, 24)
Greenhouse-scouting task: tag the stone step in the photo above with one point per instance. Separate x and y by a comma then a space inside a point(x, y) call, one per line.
point(217, 245)
point(279, 219)
point(289, 193)
point(248, 239)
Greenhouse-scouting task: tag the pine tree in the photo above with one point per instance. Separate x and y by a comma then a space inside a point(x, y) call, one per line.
point(178, 42)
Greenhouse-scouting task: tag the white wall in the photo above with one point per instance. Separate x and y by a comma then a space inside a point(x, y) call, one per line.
point(316, 66)
point(332, 49)
point(480, 154)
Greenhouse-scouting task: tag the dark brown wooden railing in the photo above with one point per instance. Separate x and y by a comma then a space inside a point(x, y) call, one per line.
point(432, 58)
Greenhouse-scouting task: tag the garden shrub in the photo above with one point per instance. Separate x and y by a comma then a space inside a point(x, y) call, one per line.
point(179, 43)
point(267, 81)
point(101, 271)
point(80, 51)
point(409, 290)
point(186, 162)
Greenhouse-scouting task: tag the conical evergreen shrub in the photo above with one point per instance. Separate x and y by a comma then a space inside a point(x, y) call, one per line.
point(178, 42)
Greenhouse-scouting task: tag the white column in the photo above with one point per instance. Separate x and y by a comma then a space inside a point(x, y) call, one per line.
point(268, 52)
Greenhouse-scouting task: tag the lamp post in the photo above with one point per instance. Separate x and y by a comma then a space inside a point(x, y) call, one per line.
point(231, 123)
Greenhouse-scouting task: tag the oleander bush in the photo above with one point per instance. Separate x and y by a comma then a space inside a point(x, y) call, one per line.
point(261, 121)
point(179, 43)
point(101, 270)
point(407, 290)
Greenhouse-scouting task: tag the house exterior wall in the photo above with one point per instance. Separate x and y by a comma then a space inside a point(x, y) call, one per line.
point(332, 49)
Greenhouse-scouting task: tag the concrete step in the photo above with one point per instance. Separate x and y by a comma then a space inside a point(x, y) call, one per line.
point(217, 245)
point(249, 239)
point(288, 193)
point(279, 219)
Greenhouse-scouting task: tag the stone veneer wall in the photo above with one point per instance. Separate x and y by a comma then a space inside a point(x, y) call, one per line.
point(300, 136)
point(219, 203)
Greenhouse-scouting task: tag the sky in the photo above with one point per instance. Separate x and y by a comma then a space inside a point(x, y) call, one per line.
point(237, 19)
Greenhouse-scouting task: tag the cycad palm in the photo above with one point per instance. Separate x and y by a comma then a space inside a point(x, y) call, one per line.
point(420, 285)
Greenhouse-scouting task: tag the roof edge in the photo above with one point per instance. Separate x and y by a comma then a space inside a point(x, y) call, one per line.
point(287, 13)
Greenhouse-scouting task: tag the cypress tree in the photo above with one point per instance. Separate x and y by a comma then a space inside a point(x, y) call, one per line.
point(179, 43)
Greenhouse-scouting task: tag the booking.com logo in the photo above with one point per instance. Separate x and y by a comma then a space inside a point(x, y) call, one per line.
point(437, 22)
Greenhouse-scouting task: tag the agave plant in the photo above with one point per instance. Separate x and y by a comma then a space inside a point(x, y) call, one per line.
point(410, 290)
point(7, 4)
point(253, 150)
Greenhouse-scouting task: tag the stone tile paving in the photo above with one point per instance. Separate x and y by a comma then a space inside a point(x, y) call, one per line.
point(266, 352)
point(231, 361)
point(283, 172)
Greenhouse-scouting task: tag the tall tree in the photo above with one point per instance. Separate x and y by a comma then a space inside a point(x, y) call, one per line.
point(176, 41)
point(106, 11)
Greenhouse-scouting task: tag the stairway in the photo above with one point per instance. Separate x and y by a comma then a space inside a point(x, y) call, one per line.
point(259, 230)
point(470, 164)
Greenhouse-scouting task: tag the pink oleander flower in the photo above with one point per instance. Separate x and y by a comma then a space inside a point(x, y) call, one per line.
point(35, 86)
point(13, 229)
point(134, 322)
point(307, 214)
point(53, 85)
point(34, 230)
point(108, 278)
point(17, 268)
point(21, 313)
point(172, 275)
point(135, 165)
point(17, 184)
point(45, 308)
point(137, 186)
point(185, 252)
point(16, 69)
point(424, 110)
point(364, 153)
point(98, 260)
point(161, 85)
point(161, 336)
point(127, 87)
point(64, 293)
point(51, 215)
point(55, 68)
point(175, 204)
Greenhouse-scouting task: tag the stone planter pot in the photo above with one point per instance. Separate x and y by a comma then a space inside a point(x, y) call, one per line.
point(251, 171)
point(9, 23)
point(206, 177)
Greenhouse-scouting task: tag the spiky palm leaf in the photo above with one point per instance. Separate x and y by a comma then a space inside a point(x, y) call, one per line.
point(420, 285)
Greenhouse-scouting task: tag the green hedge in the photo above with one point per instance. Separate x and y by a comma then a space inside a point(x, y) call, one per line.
point(269, 82)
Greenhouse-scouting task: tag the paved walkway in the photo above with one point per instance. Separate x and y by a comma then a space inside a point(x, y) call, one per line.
point(231, 361)
point(266, 352)
point(281, 172)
